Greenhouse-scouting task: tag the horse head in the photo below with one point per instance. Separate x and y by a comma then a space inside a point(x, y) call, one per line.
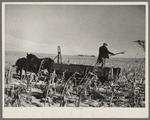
point(47, 63)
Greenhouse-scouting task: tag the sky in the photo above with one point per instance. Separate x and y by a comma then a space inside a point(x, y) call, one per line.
point(77, 29)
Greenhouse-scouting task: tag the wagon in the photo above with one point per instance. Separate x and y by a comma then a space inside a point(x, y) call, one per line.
point(106, 74)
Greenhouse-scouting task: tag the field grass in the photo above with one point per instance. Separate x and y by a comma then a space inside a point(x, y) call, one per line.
point(130, 93)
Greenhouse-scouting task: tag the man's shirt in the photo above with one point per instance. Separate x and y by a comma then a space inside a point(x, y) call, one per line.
point(103, 52)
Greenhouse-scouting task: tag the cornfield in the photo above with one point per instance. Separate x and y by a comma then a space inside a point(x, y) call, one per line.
point(56, 90)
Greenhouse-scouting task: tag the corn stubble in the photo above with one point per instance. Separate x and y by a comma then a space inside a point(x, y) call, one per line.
point(126, 91)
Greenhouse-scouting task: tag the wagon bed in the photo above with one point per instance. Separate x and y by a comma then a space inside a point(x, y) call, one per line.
point(107, 72)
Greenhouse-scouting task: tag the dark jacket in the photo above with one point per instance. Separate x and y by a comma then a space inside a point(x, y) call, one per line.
point(103, 52)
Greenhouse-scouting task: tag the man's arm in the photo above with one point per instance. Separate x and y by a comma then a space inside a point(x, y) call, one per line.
point(109, 52)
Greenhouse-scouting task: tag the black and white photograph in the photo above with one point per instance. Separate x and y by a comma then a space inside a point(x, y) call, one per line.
point(75, 60)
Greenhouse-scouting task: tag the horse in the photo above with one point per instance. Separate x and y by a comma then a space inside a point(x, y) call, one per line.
point(36, 64)
point(21, 64)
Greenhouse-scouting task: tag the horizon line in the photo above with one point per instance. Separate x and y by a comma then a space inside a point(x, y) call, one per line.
point(66, 54)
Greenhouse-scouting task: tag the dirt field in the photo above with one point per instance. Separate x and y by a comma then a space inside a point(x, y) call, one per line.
point(128, 91)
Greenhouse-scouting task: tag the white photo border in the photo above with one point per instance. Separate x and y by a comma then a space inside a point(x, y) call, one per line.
point(59, 112)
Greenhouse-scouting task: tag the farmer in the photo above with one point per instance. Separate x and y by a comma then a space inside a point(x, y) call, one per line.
point(103, 54)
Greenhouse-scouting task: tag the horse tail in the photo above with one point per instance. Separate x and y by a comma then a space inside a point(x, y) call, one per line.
point(14, 65)
point(17, 62)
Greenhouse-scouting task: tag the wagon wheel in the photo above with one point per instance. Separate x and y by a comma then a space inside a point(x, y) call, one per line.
point(59, 55)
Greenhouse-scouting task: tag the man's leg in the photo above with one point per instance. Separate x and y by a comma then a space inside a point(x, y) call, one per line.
point(103, 62)
point(99, 60)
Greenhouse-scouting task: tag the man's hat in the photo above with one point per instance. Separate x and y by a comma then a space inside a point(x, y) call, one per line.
point(104, 43)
